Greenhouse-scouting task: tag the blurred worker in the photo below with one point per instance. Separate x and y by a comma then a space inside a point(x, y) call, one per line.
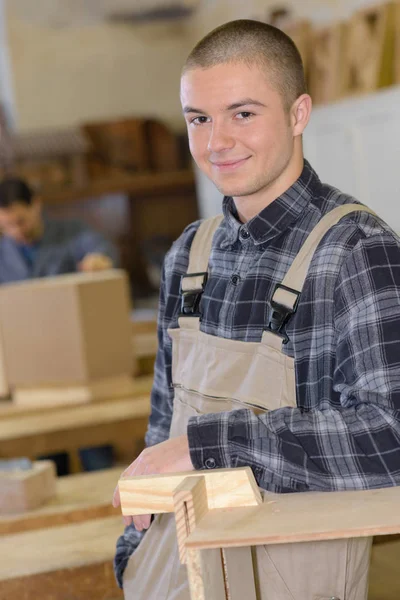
point(34, 245)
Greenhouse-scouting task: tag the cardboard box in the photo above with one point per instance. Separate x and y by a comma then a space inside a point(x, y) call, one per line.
point(26, 490)
point(66, 330)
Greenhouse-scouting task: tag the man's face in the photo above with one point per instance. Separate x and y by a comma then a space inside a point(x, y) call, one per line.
point(21, 222)
point(240, 134)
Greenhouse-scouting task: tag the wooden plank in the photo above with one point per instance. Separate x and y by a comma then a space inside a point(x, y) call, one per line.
point(205, 575)
point(384, 580)
point(369, 50)
point(397, 44)
point(113, 387)
point(326, 63)
point(74, 561)
point(4, 387)
point(8, 408)
point(239, 570)
point(139, 184)
point(77, 498)
point(288, 518)
point(154, 493)
point(74, 417)
point(301, 33)
point(190, 505)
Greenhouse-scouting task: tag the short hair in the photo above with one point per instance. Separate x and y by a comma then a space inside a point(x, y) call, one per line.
point(14, 191)
point(253, 43)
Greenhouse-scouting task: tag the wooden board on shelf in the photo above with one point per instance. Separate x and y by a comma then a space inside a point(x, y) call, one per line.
point(397, 43)
point(70, 561)
point(77, 498)
point(369, 50)
point(113, 387)
point(326, 62)
point(301, 33)
point(121, 423)
point(9, 409)
point(4, 387)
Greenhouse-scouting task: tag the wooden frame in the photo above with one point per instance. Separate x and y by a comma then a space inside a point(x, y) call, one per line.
point(369, 50)
point(281, 518)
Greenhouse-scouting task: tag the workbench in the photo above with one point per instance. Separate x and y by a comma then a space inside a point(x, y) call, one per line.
point(78, 498)
point(61, 563)
point(33, 432)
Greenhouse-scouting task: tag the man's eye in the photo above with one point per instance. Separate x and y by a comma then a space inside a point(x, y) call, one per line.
point(199, 120)
point(244, 115)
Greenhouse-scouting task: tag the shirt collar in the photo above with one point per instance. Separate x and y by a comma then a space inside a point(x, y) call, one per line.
point(277, 216)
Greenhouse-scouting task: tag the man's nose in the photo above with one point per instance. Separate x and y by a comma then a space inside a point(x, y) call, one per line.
point(220, 139)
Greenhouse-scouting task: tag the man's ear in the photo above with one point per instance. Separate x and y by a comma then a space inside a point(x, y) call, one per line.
point(300, 114)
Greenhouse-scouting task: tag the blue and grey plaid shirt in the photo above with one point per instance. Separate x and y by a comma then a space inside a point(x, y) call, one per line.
point(344, 337)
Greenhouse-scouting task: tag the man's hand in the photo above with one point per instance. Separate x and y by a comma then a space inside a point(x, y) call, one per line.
point(95, 262)
point(168, 457)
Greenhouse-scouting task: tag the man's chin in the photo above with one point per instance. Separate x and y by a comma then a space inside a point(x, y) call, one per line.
point(235, 192)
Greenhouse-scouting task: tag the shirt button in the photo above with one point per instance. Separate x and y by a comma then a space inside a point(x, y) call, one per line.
point(244, 234)
point(235, 279)
point(210, 463)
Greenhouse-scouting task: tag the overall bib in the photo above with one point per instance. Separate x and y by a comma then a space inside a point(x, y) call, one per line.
point(212, 375)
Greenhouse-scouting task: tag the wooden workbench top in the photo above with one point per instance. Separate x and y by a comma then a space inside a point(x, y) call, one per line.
point(73, 417)
point(8, 409)
point(78, 498)
point(70, 561)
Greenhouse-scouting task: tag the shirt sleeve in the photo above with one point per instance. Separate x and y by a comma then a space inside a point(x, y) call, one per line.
point(353, 443)
point(88, 241)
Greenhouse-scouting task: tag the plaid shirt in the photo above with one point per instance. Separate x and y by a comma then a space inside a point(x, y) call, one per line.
point(345, 339)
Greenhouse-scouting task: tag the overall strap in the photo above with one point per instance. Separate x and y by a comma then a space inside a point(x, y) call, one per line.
point(286, 294)
point(193, 283)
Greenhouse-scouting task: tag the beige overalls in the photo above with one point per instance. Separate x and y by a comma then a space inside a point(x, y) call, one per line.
point(212, 375)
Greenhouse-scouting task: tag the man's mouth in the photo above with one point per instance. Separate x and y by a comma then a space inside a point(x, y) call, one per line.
point(229, 165)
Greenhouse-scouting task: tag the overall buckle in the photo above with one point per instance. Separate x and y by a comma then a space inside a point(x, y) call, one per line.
point(281, 314)
point(191, 298)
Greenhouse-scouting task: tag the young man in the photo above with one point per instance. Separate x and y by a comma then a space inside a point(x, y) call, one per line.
point(277, 356)
point(33, 245)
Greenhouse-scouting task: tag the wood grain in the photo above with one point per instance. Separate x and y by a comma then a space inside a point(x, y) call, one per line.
point(190, 505)
point(288, 518)
point(154, 493)
point(77, 498)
